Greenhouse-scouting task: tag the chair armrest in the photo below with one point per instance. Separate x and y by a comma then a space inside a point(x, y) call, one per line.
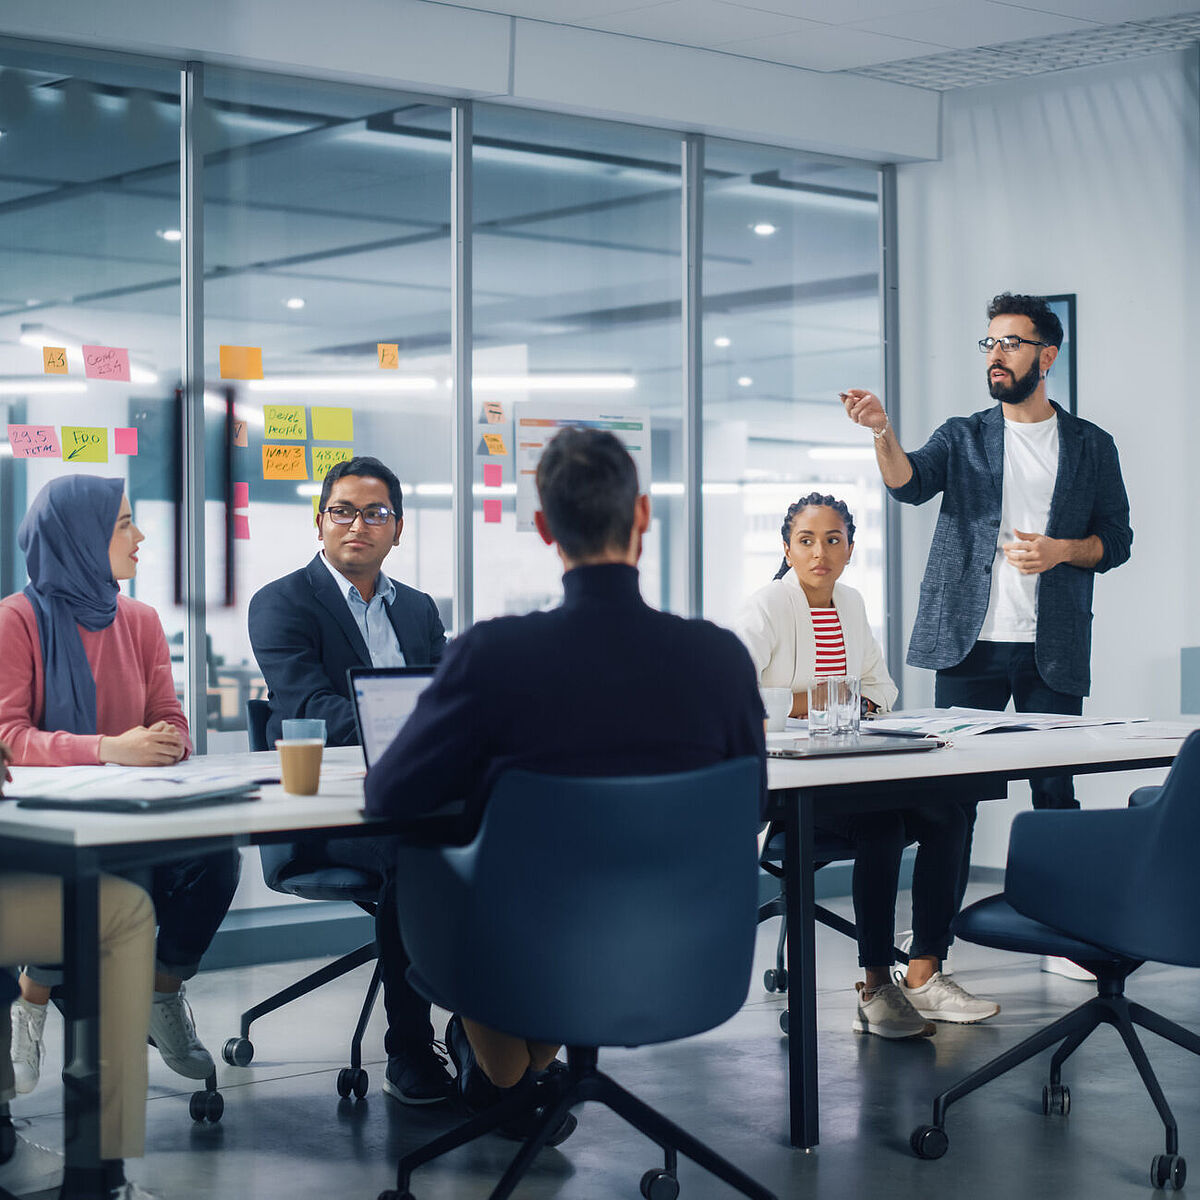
point(1142, 796)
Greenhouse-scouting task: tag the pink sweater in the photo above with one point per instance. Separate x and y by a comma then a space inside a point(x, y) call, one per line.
point(130, 663)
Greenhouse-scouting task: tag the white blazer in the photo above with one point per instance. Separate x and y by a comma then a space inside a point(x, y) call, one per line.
point(776, 625)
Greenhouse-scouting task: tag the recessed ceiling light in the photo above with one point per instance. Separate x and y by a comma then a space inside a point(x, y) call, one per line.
point(295, 302)
point(169, 235)
point(721, 342)
point(744, 381)
point(763, 228)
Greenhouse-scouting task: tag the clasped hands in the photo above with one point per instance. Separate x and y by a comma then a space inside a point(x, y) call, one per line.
point(1033, 553)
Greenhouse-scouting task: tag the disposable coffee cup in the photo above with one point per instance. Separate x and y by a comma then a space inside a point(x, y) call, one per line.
point(778, 703)
point(300, 764)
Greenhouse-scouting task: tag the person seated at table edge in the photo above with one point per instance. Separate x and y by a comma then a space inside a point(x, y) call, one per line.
point(602, 685)
point(806, 624)
point(31, 926)
point(87, 680)
point(307, 629)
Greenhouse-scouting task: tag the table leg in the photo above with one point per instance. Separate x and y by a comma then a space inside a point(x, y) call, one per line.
point(81, 1072)
point(802, 971)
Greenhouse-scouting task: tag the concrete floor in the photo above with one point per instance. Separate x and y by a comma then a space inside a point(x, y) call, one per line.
point(286, 1135)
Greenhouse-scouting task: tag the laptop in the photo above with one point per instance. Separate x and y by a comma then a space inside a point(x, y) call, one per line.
point(850, 745)
point(132, 797)
point(383, 699)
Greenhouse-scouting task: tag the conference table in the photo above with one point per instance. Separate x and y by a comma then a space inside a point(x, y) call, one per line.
point(978, 767)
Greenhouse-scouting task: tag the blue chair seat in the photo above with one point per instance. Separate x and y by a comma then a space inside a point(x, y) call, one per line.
point(329, 882)
point(994, 922)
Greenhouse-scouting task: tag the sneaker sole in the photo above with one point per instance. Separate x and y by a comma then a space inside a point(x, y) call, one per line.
point(186, 1074)
point(861, 1026)
point(390, 1089)
point(948, 1019)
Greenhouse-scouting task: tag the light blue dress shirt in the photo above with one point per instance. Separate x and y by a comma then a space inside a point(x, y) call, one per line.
point(372, 619)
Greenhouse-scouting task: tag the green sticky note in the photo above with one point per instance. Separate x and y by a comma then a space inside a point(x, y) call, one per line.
point(333, 424)
point(286, 421)
point(324, 457)
point(84, 443)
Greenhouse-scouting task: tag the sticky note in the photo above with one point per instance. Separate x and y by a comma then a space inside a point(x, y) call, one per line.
point(493, 412)
point(241, 495)
point(241, 527)
point(54, 360)
point(491, 512)
point(493, 474)
point(34, 441)
point(316, 509)
point(241, 362)
point(84, 443)
point(125, 441)
point(285, 421)
point(324, 457)
point(333, 424)
point(105, 362)
point(240, 437)
point(494, 443)
point(284, 462)
point(389, 355)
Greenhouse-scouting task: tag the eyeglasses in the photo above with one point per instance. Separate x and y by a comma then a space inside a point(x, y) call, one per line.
point(1007, 344)
point(345, 514)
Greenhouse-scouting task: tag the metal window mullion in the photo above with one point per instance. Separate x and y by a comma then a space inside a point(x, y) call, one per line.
point(460, 349)
point(889, 298)
point(692, 172)
point(191, 430)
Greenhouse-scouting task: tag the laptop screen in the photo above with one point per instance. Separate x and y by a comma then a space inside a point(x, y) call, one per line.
point(384, 698)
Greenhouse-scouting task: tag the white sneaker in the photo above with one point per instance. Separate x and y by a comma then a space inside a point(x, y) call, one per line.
point(32, 1168)
point(28, 1050)
point(132, 1191)
point(888, 1013)
point(1052, 966)
point(173, 1032)
point(941, 999)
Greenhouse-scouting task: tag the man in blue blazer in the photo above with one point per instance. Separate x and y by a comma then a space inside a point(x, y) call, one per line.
point(307, 628)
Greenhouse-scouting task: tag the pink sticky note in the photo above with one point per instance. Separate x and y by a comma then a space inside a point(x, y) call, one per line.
point(106, 362)
point(125, 441)
point(491, 512)
point(34, 441)
point(493, 474)
point(241, 527)
point(241, 495)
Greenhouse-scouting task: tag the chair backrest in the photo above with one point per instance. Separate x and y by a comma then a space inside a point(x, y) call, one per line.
point(258, 713)
point(591, 912)
point(1123, 879)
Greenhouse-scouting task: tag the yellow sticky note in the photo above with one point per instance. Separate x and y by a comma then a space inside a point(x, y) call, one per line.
point(494, 443)
point(241, 362)
point(54, 360)
point(284, 462)
point(389, 355)
point(325, 457)
point(316, 509)
point(84, 443)
point(288, 421)
point(333, 424)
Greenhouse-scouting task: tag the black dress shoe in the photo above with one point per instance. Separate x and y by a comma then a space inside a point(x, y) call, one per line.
point(417, 1075)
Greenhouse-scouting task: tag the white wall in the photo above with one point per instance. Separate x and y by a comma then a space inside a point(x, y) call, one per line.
point(1087, 182)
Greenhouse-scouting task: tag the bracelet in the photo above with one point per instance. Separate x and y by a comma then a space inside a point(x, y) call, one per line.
point(878, 433)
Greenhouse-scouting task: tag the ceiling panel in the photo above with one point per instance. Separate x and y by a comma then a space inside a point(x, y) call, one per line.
point(699, 22)
point(970, 23)
point(831, 48)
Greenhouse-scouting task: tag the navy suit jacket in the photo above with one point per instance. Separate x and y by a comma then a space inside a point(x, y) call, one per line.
point(305, 640)
point(603, 685)
point(964, 460)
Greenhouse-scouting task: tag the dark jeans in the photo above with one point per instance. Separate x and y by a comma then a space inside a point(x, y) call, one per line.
point(992, 674)
point(879, 839)
point(407, 1012)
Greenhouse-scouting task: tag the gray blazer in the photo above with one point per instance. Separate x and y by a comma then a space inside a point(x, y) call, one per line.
point(964, 460)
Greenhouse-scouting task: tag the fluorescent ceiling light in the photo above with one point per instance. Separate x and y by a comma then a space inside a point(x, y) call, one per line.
point(295, 302)
point(666, 489)
point(722, 342)
point(434, 489)
point(842, 452)
point(745, 381)
point(214, 402)
point(39, 386)
point(554, 383)
point(169, 235)
point(345, 383)
point(764, 228)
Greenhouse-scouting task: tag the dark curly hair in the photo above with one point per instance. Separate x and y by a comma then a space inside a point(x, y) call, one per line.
point(813, 500)
point(1049, 327)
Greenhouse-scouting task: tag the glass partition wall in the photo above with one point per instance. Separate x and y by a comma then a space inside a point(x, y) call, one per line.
point(323, 262)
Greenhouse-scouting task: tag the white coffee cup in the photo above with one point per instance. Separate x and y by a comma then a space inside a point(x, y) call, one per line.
point(778, 703)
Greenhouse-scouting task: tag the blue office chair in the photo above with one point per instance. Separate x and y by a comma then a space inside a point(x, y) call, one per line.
point(588, 913)
point(1109, 890)
point(298, 869)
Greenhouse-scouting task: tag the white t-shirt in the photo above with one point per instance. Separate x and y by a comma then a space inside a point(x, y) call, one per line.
point(1030, 471)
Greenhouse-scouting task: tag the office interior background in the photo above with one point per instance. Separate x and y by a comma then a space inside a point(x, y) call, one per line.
point(853, 181)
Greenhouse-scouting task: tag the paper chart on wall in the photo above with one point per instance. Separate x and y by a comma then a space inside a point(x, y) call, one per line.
point(536, 422)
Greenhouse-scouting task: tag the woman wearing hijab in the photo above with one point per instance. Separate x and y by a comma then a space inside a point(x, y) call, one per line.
point(87, 679)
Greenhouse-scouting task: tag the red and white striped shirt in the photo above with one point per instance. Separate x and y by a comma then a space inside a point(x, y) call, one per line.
point(831, 646)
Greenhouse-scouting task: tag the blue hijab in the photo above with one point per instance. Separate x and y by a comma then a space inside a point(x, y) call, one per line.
point(65, 537)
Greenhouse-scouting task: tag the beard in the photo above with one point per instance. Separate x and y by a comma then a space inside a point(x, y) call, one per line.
point(1019, 390)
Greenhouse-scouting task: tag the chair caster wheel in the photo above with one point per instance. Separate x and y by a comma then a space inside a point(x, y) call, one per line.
point(1056, 1098)
point(1168, 1170)
point(783, 1021)
point(238, 1052)
point(352, 1081)
point(392, 1194)
point(658, 1184)
point(928, 1141)
point(769, 979)
point(206, 1107)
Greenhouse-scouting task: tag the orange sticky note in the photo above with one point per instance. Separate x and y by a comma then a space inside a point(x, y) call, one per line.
point(284, 462)
point(494, 443)
point(241, 362)
point(389, 355)
point(240, 436)
point(493, 474)
point(54, 360)
point(241, 495)
point(241, 527)
point(125, 441)
point(491, 512)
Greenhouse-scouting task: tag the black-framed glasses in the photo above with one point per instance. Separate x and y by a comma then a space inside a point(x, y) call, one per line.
point(345, 514)
point(1008, 343)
